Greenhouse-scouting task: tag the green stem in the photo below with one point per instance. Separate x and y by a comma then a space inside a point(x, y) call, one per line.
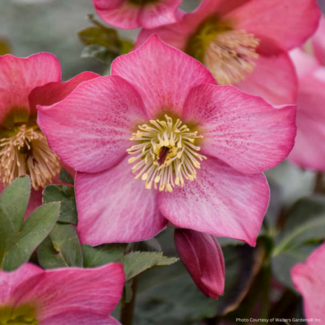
point(127, 311)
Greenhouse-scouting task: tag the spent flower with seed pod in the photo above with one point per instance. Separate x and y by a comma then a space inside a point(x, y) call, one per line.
point(309, 149)
point(158, 140)
point(74, 296)
point(245, 43)
point(129, 14)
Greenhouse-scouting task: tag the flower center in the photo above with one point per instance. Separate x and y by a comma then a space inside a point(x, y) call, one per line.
point(27, 152)
point(141, 2)
point(229, 54)
point(166, 154)
point(23, 315)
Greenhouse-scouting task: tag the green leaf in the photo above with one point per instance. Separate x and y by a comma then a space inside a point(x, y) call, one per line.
point(137, 262)
point(102, 43)
point(61, 248)
point(284, 262)
point(65, 195)
point(101, 255)
point(13, 204)
point(65, 177)
point(33, 232)
point(305, 222)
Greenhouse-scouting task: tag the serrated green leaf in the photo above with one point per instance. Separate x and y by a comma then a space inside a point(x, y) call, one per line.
point(65, 177)
point(101, 255)
point(33, 232)
point(137, 262)
point(61, 248)
point(305, 222)
point(65, 195)
point(13, 204)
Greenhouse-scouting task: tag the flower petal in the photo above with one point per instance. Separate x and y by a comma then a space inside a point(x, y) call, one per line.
point(242, 130)
point(125, 15)
point(19, 76)
point(318, 41)
point(54, 92)
point(95, 291)
point(280, 84)
point(80, 318)
point(21, 281)
point(221, 202)
point(114, 207)
point(162, 75)
point(265, 18)
point(309, 149)
point(309, 280)
point(203, 258)
point(90, 129)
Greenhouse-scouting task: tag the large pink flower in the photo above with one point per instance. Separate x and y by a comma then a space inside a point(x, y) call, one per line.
point(128, 14)
point(199, 148)
point(74, 296)
point(245, 42)
point(309, 280)
point(309, 149)
point(25, 82)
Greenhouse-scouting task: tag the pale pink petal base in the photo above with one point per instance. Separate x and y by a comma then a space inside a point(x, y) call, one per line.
point(114, 207)
point(221, 202)
point(309, 280)
point(273, 78)
point(243, 130)
point(90, 129)
point(162, 75)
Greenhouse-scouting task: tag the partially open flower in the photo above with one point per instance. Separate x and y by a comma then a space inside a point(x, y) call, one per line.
point(309, 280)
point(203, 258)
point(245, 43)
point(74, 296)
point(128, 14)
point(23, 147)
point(309, 149)
point(158, 140)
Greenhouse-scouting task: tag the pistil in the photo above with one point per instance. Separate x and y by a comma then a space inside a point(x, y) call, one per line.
point(166, 154)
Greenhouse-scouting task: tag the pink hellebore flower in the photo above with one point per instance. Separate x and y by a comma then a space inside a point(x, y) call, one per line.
point(245, 42)
point(203, 258)
point(23, 147)
point(129, 14)
point(309, 280)
point(309, 149)
point(67, 296)
point(199, 149)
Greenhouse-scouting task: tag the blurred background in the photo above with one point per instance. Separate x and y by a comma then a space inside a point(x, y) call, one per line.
point(31, 26)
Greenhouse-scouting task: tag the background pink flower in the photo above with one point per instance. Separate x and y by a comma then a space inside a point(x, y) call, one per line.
point(128, 14)
point(203, 146)
point(309, 280)
point(61, 296)
point(25, 82)
point(245, 42)
point(309, 149)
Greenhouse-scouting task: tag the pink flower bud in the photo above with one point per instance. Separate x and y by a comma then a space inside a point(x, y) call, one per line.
point(203, 258)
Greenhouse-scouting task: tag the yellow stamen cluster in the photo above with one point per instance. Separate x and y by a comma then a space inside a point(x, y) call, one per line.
point(230, 56)
point(27, 152)
point(166, 154)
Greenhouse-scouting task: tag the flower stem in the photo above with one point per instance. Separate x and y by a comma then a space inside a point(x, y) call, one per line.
point(127, 311)
point(319, 183)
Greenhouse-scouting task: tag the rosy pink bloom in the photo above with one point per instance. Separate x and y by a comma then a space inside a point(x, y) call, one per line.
point(309, 280)
point(203, 258)
point(245, 42)
point(74, 296)
point(23, 147)
point(309, 149)
point(199, 148)
point(128, 14)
